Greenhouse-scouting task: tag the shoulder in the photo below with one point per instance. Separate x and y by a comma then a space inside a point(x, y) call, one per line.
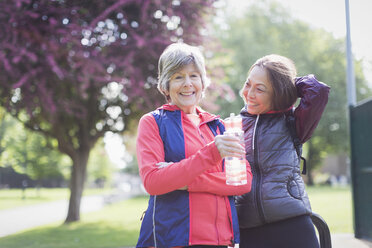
point(146, 122)
point(273, 124)
point(147, 117)
point(310, 85)
point(158, 113)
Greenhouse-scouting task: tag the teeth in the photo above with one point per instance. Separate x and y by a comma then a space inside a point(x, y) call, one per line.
point(187, 94)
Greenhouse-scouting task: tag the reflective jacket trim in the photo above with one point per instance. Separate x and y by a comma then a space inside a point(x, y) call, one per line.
point(153, 222)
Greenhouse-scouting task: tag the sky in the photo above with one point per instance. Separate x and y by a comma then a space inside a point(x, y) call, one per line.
point(330, 15)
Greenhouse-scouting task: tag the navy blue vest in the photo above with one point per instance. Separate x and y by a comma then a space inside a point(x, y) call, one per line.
point(166, 222)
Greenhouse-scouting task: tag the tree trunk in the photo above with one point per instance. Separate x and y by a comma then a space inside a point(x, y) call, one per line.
point(310, 180)
point(311, 162)
point(77, 180)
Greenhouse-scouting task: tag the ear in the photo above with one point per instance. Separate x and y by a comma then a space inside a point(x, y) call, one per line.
point(167, 95)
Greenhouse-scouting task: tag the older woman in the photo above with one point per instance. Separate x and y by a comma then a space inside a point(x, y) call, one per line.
point(180, 153)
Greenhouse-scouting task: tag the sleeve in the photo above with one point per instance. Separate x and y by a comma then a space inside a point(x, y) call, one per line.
point(150, 151)
point(215, 183)
point(314, 98)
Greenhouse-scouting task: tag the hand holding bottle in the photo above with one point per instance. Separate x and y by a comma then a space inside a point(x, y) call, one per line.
point(235, 166)
point(229, 146)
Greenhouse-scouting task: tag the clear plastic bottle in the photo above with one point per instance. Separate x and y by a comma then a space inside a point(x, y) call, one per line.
point(235, 167)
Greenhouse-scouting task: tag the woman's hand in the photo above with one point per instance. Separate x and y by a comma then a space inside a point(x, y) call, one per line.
point(229, 146)
point(163, 164)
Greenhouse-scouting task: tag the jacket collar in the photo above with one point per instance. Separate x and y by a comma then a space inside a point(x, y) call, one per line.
point(204, 116)
point(244, 111)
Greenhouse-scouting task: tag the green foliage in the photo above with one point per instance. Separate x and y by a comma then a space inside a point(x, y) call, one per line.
point(100, 168)
point(29, 152)
point(130, 158)
point(4, 123)
point(132, 166)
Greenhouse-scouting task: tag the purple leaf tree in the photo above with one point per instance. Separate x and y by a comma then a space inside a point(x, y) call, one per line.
point(74, 69)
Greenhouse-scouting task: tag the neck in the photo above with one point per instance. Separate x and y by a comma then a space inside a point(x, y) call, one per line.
point(194, 118)
point(189, 110)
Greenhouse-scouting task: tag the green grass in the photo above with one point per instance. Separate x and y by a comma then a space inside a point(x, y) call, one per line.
point(117, 225)
point(11, 198)
point(335, 207)
point(112, 227)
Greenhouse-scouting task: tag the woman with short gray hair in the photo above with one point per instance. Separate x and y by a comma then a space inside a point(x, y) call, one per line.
point(176, 56)
point(180, 151)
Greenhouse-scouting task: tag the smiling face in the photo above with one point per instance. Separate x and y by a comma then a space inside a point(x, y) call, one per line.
point(258, 91)
point(185, 88)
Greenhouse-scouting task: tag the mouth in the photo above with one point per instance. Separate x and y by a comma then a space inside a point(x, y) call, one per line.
point(187, 93)
point(250, 104)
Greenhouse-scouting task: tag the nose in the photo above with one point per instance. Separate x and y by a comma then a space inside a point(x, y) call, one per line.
point(249, 92)
point(187, 81)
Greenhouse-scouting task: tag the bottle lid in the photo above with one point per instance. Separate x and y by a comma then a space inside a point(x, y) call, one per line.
point(233, 122)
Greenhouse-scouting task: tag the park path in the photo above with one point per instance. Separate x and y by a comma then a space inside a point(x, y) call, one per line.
point(22, 218)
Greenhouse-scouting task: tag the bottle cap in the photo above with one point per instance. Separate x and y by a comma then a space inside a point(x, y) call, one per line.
point(233, 122)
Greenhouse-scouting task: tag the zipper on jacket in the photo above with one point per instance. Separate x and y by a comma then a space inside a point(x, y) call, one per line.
point(201, 135)
point(258, 173)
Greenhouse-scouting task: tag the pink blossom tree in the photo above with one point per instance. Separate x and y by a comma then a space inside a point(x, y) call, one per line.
point(73, 69)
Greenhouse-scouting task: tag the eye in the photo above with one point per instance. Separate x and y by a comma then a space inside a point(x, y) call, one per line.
point(178, 77)
point(194, 75)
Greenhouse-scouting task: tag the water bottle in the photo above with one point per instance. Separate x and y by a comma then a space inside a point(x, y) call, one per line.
point(235, 167)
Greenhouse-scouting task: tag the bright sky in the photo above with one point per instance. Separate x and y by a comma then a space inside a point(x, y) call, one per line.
point(330, 15)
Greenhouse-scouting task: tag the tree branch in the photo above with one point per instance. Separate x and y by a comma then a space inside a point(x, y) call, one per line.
point(108, 11)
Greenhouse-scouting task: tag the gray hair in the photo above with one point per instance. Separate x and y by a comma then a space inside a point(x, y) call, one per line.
point(176, 56)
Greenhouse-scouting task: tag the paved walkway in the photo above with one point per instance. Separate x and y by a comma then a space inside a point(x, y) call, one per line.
point(22, 218)
point(347, 240)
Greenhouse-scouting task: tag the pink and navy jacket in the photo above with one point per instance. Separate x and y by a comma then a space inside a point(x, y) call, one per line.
point(205, 213)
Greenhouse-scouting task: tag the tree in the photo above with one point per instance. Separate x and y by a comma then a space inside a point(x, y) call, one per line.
point(266, 28)
point(4, 124)
point(30, 153)
point(73, 69)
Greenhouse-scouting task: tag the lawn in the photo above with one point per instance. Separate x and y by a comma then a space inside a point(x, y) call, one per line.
point(114, 226)
point(118, 225)
point(334, 205)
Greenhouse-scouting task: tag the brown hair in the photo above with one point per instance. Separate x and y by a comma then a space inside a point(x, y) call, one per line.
point(281, 72)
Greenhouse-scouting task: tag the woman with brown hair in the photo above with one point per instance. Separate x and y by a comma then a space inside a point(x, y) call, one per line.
point(276, 213)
